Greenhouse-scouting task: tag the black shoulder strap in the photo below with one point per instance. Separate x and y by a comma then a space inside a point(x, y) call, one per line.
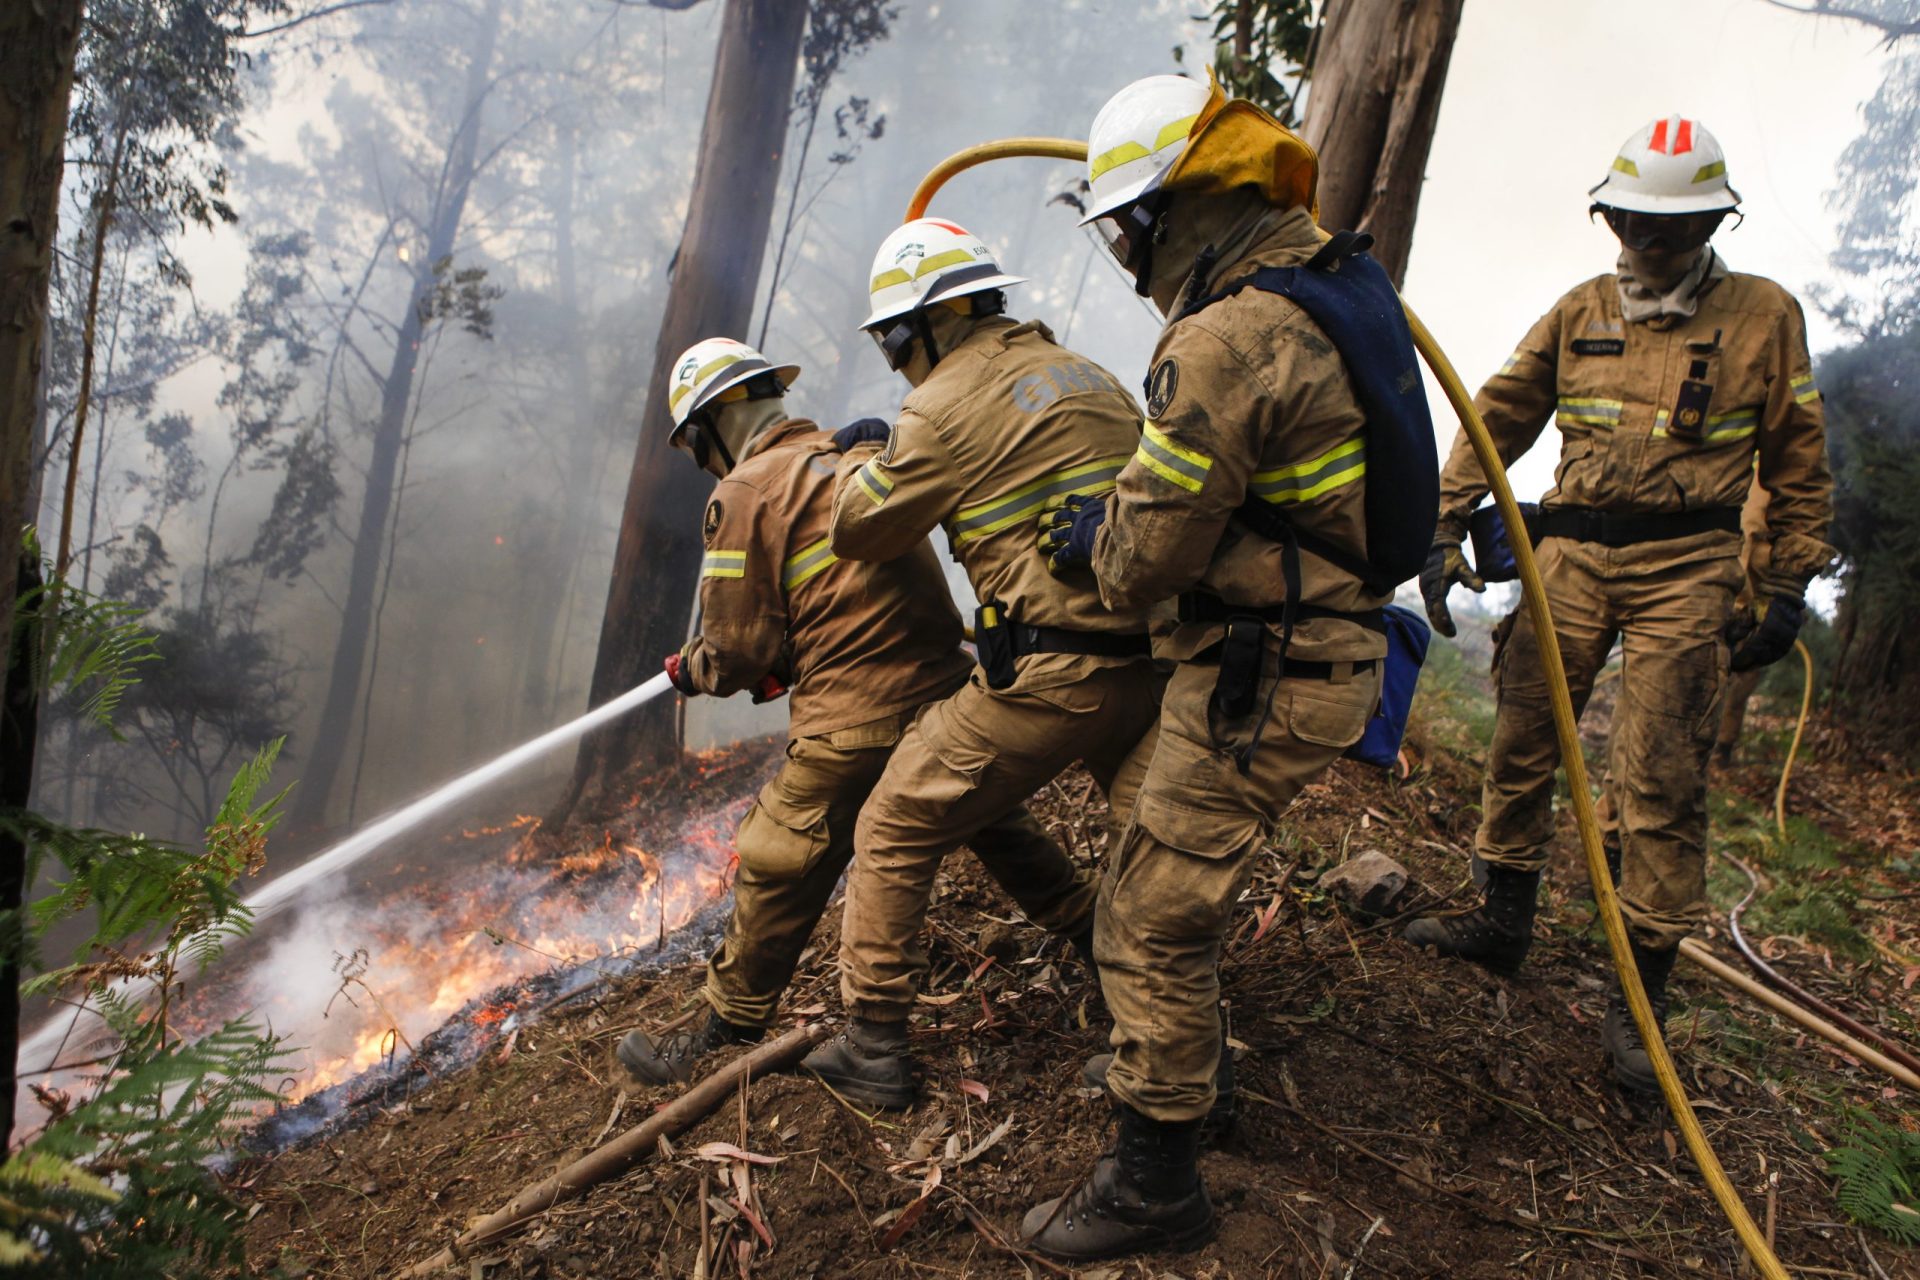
point(1261, 517)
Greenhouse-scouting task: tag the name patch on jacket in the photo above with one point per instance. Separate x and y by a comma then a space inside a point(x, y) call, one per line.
point(1599, 346)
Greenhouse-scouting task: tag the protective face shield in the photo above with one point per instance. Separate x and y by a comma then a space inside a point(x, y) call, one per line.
point(1131, 232)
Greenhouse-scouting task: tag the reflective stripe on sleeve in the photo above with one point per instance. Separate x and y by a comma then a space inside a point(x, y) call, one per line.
point(807, 563)
point(1172, 462)
point(1513, 362)
point(874, 483)
point(1303, 481)
point(995, 514)
point(1804, 390)
point(1589, 412)
point(724, 564)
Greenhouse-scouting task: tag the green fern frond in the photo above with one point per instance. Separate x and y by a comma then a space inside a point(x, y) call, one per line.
point(1876, 1171)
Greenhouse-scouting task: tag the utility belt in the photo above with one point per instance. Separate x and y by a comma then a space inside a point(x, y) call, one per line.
point(1627, 529)
point(1002, 642)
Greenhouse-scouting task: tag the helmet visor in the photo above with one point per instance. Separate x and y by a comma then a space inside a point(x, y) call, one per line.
point(1671, 232)
point(896, 341)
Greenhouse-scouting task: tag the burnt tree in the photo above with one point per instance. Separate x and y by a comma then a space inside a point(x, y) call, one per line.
point(716, 275)
point(1371, 110)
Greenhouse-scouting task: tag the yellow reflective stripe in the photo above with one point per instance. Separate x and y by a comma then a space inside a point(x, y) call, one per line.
point(1513, 362)
point(877, 486)
point(724, 564)
point(1721, 428)
point(888, 278)
point(1170, 461)
point(1171, 132)
point(705, 371)
point(1707, 172)
point(807, 563)
point(1623, 165)
point(1301, 481)
point(1804, 392)
point(995, 514)
point(1590, 412)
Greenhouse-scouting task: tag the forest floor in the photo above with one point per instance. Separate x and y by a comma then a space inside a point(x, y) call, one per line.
point(1399, 1116)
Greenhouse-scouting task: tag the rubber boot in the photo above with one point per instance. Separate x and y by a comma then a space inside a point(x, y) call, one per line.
point(1219, 1121)
point(867, 1064)
point(1495, 934)
point(670, 1059)
point(1632, 1064)
point(1143, 1197)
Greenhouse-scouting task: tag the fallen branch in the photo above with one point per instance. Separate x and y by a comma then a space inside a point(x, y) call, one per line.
point(629, 1149)
point(1833, 1035)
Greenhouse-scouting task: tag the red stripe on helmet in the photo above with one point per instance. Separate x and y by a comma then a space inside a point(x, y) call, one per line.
point(957, 230)
point(1659, 140)
point(1683, 140)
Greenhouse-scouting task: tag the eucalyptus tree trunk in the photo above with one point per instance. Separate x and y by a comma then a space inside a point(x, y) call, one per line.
point(396, 396)
point(37, 45)
point(1371, 111)
point(716, 275)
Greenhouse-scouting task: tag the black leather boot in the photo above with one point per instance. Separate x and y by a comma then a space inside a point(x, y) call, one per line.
point(1632, 1064)
point(1219, 1122)
point(868, 1064)
point(669, 1059)
point(1497, 933)
point(1144, 1197)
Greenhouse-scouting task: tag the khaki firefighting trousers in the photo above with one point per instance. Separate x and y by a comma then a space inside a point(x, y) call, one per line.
point(964, 761)
point(1670, 614)
point(1733, 717)
point(1169, 888)
point(798, 837)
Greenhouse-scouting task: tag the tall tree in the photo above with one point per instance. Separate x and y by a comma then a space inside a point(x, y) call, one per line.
point(337, 712)
point(37, 43)
point(716, 275)
point(1371, 111)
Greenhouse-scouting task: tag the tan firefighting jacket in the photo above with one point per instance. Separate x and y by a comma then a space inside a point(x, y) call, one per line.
point(863, 640)
point(1614, 388)
point(1246, 398)
point(1007, 420)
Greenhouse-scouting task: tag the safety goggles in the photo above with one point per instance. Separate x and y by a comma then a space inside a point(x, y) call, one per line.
point(1672, 232)
point(1128, 231)
point(896, 341)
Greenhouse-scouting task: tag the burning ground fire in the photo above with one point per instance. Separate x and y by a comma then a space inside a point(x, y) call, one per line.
point(442, 958)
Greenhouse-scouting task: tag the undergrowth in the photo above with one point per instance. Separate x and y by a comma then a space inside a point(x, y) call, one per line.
point(1876, 1170)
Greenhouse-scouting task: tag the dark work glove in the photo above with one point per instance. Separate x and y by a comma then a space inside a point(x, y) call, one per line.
point(1066, 532)
point(1773, 639)
point(865, 431)
point(770, 687)
point(1446, 565)
point(677, 672)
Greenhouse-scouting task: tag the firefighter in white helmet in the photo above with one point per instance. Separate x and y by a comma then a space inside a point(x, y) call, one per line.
point(1001, 418)
point(865, 647)
point(1246, 503)
point(1676, 384)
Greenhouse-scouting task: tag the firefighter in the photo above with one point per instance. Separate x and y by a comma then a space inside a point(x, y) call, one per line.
point(1001, 418)
point(865, 647)
point(1245, 502)
point(1676, 384)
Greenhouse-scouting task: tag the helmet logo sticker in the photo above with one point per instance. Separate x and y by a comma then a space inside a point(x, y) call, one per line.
point(1161, 386)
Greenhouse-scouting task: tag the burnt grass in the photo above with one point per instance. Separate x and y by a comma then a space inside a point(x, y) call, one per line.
point(1399, 1116)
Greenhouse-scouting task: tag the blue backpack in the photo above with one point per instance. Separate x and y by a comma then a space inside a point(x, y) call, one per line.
point(1350, 298)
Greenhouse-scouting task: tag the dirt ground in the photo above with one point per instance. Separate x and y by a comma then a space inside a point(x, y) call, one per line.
point(1399, 1116)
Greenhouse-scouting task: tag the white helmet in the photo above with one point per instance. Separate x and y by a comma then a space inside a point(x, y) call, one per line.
point(712, 366)
point(1672, 165)
point(929, 260)
point(1136, 138)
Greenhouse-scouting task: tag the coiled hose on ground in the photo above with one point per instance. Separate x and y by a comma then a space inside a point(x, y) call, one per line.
point(1566, 723)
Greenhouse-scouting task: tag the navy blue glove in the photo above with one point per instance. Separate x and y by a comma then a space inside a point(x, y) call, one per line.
point(1773, 639)
point(1066, 532)
point(865, 431)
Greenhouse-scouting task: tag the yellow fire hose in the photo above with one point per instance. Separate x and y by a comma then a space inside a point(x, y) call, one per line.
point(1565, 722)
point(1799, 728)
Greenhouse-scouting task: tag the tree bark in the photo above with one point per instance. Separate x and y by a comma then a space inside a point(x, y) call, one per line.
point(37, 45)
point(656, 563)
point(370, 539)
point(1371, 109)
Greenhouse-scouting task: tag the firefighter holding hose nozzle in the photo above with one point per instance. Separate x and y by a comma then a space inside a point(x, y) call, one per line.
point(864, 645)
point(1676, 384)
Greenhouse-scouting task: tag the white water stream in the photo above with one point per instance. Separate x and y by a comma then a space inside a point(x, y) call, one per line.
point(285, 889)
